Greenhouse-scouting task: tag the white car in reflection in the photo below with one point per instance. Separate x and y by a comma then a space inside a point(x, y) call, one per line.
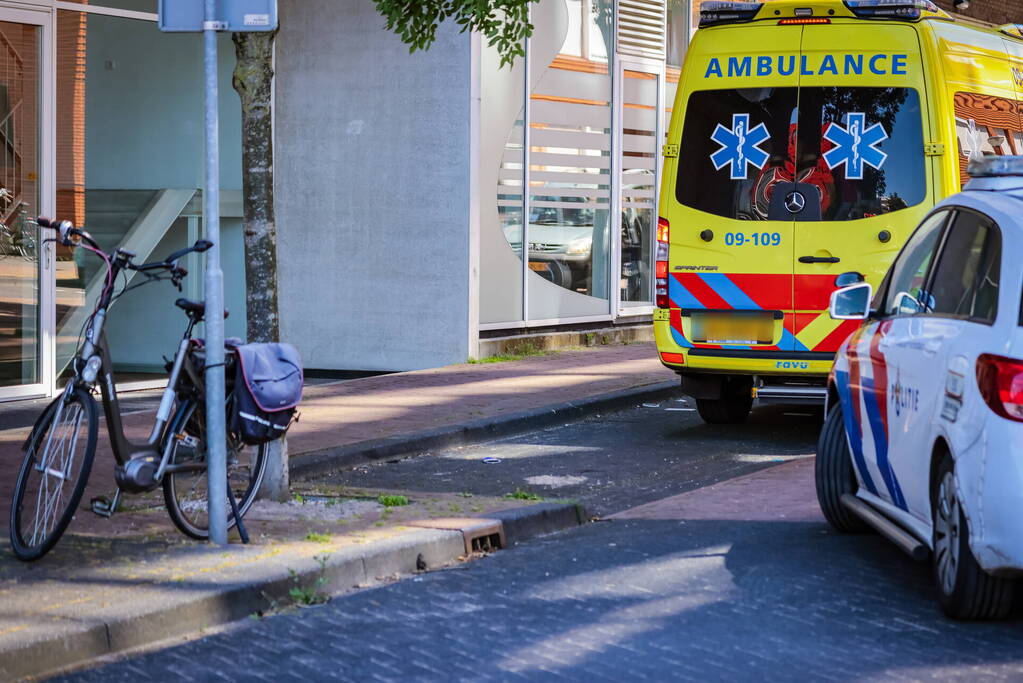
point(923, 439)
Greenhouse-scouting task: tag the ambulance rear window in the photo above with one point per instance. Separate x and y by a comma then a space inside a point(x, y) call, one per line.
point(848, 153)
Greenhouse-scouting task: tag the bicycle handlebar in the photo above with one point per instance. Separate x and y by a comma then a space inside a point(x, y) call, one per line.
point(68, 234)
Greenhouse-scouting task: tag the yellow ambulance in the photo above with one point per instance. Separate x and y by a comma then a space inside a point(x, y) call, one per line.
point(807, 140)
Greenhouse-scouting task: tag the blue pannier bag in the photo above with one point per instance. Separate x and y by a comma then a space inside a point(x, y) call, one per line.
point(267, 390)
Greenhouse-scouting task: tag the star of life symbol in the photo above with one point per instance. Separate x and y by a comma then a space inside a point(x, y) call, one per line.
point(739, 146)
point(855, 145)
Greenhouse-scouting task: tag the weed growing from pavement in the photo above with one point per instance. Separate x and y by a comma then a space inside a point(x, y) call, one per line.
point(307, 596)
point(519, 494)
point(314, 537)
point(392, 501)
point(515, 353)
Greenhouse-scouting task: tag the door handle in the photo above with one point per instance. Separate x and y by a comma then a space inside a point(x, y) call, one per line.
point(932, 347)
point(819, 259)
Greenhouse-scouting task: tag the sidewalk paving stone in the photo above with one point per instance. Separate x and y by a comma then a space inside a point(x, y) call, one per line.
point(119, 583)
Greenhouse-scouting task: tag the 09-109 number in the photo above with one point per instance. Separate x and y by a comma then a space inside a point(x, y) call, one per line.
point(757, 239)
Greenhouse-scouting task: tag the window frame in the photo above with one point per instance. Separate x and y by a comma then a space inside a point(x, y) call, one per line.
point(950, 220)
point(886, 284)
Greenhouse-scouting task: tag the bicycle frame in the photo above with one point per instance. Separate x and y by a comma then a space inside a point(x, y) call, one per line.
point(94, 364)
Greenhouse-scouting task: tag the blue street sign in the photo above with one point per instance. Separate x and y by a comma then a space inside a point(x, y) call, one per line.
point(232, 15)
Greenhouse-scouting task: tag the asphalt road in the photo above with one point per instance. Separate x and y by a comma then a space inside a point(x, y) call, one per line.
point(609, 462)
point(741, 597)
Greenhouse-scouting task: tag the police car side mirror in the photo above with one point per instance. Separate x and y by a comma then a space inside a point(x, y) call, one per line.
point(852, 302)
point(849, 278)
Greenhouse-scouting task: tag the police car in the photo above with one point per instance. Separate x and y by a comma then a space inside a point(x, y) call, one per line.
point(923, 439)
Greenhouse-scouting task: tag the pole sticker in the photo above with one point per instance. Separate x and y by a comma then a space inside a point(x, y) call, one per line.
point(740, 146)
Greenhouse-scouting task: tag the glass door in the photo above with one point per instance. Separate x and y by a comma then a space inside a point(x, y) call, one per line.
point(638, 179)
point(24, 284)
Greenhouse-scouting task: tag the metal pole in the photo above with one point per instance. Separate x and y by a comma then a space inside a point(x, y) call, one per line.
point(216, 429)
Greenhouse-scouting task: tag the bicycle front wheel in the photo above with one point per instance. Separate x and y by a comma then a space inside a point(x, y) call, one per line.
point(58, 459)
point(185, 485)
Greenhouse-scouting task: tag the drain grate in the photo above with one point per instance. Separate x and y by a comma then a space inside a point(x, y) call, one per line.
point(480, 535)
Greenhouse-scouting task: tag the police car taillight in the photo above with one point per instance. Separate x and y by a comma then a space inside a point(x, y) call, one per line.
point(1001, 384)
point(907, 10)
point(714, 12)
point(661, 263)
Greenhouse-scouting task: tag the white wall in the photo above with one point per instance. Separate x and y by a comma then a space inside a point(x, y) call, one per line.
point(372, 181)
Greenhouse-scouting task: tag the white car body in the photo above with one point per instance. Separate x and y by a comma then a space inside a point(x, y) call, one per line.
point(909, 387)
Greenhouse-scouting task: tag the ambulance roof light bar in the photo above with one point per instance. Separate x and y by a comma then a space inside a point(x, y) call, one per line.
point(996, 167)
point(906, 10)
point(718, 12)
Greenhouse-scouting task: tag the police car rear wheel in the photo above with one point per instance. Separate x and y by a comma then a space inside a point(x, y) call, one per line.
point(834, 475)
point(965, 591)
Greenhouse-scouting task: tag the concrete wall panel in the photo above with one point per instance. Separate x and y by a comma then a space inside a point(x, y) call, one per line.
point(372, 182)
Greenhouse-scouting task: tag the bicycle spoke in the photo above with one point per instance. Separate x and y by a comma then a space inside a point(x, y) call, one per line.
point(55, 467)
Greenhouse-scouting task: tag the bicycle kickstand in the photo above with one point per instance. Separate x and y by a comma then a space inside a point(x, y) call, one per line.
point(238, 518)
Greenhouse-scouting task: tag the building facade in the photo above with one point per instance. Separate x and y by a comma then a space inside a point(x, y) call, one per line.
point(426, 202)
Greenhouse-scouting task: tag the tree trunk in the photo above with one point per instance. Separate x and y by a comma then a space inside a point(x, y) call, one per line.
point(253, 79)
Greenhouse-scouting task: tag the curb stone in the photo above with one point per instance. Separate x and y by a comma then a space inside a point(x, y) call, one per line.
point(345, 569)
point(331, 459)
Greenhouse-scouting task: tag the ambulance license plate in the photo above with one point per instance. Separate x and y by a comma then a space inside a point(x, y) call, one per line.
point(722, 328)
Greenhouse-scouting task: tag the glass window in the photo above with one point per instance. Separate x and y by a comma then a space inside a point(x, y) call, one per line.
point(131, 168)
point(638, 154)
point(862, 148)
point(20, 89)
point(677, 31)
point(136, 5)
point(905, 294)
point(568, 228)
point(852, 152)
point(735, 185)
point(966, 277)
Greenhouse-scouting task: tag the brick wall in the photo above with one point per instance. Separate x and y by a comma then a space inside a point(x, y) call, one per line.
point(71, 44)
point(993, 11)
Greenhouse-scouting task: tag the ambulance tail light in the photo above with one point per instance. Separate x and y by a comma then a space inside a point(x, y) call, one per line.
point(1001, 384)
point(714, 12)
point(661, 263)
point(906, 10)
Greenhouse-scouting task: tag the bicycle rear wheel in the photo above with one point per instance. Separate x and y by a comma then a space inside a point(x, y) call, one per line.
point(58, 459)
point(185, 487)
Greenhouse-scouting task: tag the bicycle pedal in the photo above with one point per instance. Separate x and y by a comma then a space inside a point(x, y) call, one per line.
point(102, 506)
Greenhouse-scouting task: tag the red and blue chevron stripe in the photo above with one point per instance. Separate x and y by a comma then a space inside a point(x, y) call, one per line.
point(719, 291)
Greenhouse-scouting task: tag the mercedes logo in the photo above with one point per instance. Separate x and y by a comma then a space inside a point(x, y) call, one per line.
point(794, 202)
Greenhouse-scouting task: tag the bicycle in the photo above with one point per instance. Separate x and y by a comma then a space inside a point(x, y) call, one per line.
point(55, 470)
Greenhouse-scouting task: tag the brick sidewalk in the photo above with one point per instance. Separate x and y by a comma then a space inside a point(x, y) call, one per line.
point(350, 412)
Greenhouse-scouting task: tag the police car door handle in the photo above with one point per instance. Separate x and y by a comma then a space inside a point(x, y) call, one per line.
point(819, 259)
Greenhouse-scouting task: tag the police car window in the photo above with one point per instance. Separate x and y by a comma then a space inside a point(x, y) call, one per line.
point(906, 294)
point(850, 152)
point(965, 280)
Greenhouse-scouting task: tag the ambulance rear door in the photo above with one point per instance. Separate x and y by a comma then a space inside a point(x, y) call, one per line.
point(861, 168)
point(732, 239)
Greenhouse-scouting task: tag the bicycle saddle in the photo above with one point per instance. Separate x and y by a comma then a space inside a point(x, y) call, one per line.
point(194, 309)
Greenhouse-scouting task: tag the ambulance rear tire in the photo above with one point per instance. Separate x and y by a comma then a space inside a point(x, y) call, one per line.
point(834, 475)
point(732, 407)
point(965, 590)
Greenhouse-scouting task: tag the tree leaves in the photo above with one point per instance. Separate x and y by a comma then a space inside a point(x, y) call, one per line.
point(504, 23)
